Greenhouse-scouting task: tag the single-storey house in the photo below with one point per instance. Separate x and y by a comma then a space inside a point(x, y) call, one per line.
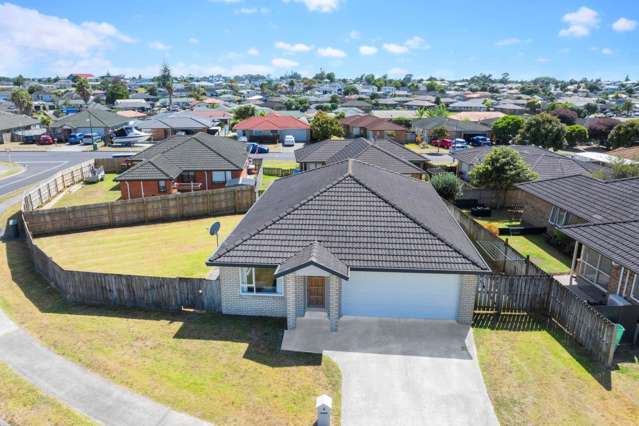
point(381, 152)
point(12, 123)
point(456, 128)
point(602, 218)
point(546, 164)
point(371, 127)
point(349, 239)
point(101, 121)
point(185, 164)
point(140, 105)
point(273, 128)
point(164, 126)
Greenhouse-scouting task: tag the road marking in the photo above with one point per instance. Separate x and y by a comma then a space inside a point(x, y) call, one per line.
point(35, 174)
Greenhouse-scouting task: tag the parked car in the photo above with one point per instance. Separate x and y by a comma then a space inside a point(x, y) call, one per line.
point(75, 138)
point(86, 139)
point(254, 148)
point(289, 140)
point(442, 143)
point(480, 141)
point(458, 145)
point(242, 139)
point(47, 139)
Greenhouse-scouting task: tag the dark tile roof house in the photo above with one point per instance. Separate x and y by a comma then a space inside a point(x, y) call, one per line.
point(545, 163)
point(371, 123)
point(428, 124)
point(382, 153)
point(9, 121)
point(98, 118)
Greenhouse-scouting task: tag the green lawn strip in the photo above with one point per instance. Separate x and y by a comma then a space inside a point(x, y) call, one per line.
point(280, 164)
point(541, 253)
point(224, 369)
point(534, 376)
point(171, 249)
point(267, 181)
point(9, 169)
point(21, 403)
point(90, 193)
point(425, 149)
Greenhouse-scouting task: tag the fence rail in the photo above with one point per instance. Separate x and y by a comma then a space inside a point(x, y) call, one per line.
point(510, 294)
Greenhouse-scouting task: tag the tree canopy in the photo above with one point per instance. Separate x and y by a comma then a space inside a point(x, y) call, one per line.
point(624, 134)
point(575, 134)
point(506, 128)
point(447, 185)
point(501, 169)
point(566, 116)
point(542, 130)
point(117, 90)
point(323, 126)
point(22, 100)
point(165, 81)
point(439, 132)
point(83, 89)
point(243, 112)
point(600, 128)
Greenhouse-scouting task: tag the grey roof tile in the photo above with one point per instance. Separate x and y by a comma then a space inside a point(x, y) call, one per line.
point(317, 255)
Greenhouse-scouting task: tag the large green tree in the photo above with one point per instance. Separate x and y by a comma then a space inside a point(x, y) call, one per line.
point(542, 130)
point(165, 81)
point(506, 128)
point(576, 134)
point(439, 132)
point(243, 112)
point(22, 100)
point(323, 127)
point(117, 90)
point(624, 134)
point(83, 89)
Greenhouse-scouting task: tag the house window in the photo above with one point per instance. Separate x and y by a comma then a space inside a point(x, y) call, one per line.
point(558, 216)
point(188, 176)
point(259, 281)
point(595, 268)
point(162, 186)
point(634, 292)
point(219, 177)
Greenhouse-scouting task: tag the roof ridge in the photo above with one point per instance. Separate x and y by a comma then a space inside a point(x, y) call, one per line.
point(611, 222)
point(408, 215)
point(206, 145)
point(375, 146)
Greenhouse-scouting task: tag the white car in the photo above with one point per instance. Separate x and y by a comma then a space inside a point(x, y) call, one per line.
point(289, 140)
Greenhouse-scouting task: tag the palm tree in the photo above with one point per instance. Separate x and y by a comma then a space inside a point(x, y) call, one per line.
point(83, 89)
point(165, 80)
point(628, 106)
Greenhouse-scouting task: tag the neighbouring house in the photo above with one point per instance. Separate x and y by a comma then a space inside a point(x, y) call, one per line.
point(371, 127)
point(164, 126)
point(602, 217)
point(456, 128)
point(139, 105)
point(381, 152)
point(11, 123)
point(100, 121)
point(273, 128)
point(185, 164)
point(469, 105)
point(510, 108)
point(356, 103)
point(476, 116)
point(546, 164)
point(349, 239)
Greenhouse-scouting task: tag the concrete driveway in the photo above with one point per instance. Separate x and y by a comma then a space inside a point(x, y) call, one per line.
point(401, 371)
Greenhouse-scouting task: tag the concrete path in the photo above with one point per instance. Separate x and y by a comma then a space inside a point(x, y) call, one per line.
point(82, 390)
point(401, 371)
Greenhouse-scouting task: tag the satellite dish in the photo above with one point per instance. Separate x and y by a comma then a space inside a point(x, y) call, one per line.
point(214, 230)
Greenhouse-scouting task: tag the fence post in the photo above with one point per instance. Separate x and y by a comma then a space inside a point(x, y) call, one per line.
point(611, 346)
point(527, 263)
point(505, 253)
point(499, 282)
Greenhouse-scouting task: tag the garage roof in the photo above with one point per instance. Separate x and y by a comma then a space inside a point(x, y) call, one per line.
point(367, 217)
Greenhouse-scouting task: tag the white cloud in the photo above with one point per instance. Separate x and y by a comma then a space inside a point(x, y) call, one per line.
point(28, 37)
point(193, 40)
point(253, 51)
point(293, 48)
point(158, 45)
point(580, 22)
point(367, 50)
point(331, 52)
point(324, 6)
point(284, 63)
point(624, 24)
point(397, 72)
point(416, 42)
point(607, 51)
point(226, 1)
point(542, 60)
point(507, 41)
point(354, 35)
point(252, 10)
point(394, 48)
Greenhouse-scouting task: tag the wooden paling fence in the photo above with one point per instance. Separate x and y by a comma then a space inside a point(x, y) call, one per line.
point(277, 171)
point(511, 294)
point(126, 290)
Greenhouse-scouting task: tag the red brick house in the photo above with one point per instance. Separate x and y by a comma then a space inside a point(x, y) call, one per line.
point(371, 127)
point(185, 164)
point(273, 128)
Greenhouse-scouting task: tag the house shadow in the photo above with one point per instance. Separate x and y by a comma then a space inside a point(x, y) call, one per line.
point(531, 322)
point(262, 336)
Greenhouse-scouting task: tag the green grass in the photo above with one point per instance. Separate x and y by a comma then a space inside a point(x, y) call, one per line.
point(21, 403)
point(90, 193)
point(9, 169)
point(267, 181)
point(535, 377)
point(541, 253)
point(173, 249)
point(281, 164)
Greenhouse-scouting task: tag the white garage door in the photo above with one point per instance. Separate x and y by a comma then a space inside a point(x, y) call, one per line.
point(404, 295)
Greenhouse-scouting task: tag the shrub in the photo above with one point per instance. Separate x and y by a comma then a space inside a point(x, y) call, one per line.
point(576, 134)
point(447, 185)
point(624, 134)
point(566, 116)
point(600, 128)
point(505, 128)
point(543, 130)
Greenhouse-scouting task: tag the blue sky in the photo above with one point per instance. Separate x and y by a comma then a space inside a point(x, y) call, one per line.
point(449, 39)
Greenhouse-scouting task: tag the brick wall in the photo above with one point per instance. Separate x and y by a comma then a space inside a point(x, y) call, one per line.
point(234, 303)
point(536, 210)
point(334, 300)
point(151, 188)
point(467, 299)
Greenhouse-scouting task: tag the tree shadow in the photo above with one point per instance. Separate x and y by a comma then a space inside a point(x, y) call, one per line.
point(262, 336)
point(531, 322)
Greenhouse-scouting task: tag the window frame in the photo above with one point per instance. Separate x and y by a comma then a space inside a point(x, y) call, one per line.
point(595, 268)
point(162, 186)
point(558, 216)
point(214, 180)
point(635, 283)
point(244, 285)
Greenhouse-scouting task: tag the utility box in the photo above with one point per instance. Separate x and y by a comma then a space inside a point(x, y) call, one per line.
point(324, 406)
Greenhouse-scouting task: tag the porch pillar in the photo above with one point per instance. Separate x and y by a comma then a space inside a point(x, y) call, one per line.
point(574, 262)
point(290, 288)
point(334, 300)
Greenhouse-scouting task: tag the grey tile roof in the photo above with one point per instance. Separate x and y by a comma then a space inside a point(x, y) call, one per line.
point(172, 156)
point(618, 241)
point(368, 217)
point(9, 121)
point(317, 255)
point(450, 124)
point(99, 118)
point(588, 198)
point(546, 163)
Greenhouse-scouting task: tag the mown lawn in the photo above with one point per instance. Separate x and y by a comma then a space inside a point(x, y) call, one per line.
point(267, 181)
point(171, 249)
point(224, 369)
point(90, 193)
point(541, 253)
point(21, 403)
point(9, 169)
point(535, 377)
point(281, 164)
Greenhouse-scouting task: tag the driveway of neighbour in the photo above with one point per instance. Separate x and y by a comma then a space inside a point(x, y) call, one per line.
point(401, 371)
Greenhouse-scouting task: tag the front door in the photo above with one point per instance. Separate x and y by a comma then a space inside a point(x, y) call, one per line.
point(315, 292)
